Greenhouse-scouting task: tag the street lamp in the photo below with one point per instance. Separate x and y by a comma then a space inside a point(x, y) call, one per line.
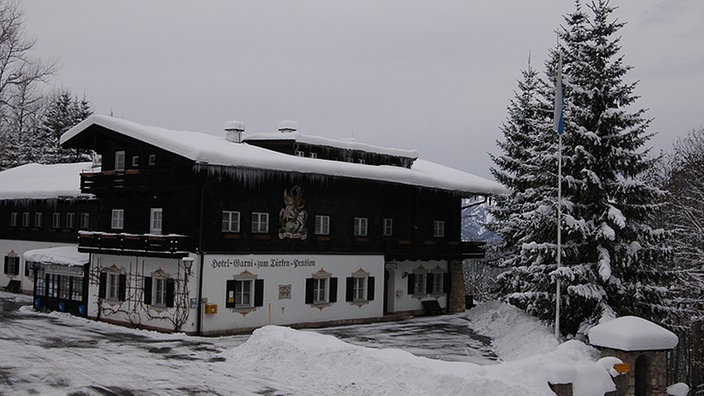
point(188, 264)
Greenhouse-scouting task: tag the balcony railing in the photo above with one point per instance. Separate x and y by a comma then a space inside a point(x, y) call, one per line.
point(92, 182)
point(171, 245)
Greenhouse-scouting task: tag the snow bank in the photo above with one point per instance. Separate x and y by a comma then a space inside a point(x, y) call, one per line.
point(631, 333)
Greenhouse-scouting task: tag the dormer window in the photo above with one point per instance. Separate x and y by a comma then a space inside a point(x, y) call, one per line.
point(135, 161)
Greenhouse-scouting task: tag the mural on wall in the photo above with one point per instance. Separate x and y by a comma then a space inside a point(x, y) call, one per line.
point(293, 216)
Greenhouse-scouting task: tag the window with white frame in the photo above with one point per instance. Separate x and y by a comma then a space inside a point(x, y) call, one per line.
point(152, 159)
point(38, 219)
point(438, 228)
point(437, 282)
point(56, 220)
point(120, 160)
point(300, 153)
point(388, 227)
point(70, 220)
point(112, 287)
point(76, 288)
point(13, 219)
point(244, 292)
point(155, 220)
point(314, 155)
point(322, 225)
point(159, 289)
point(135, 161)
point(159, 295)
point(360, 226)
point(117, 219)
point(417, 282)
point(230, 221)
point(25, 219)
point(260, 222)
point(85, 220)
point(321, 289)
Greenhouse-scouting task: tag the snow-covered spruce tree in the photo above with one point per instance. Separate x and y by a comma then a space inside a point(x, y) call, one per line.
point(525, 218)
point(62, 113)
point(609, 251)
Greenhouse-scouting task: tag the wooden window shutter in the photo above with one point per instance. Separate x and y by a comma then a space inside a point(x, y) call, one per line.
point(148, 290)
point(230, 288)
point(258, 292)
point(349, 289)
point(170, 292)
point(429, 277)
point(446, 279)
point(370, 288)
point(309, 291)
point(122, 291)
point(411, 283)
point(103, 284)
point(333, 290)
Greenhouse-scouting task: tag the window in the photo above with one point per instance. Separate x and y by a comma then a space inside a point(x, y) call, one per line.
point(436, 282)
point(244, 293)
point(120, 160)
point(155, 221)
point(322, 225)
point(314, 155)
point(417, 283)
point(438, 228)
point(362, 161)
point(113, 286)
point(300, 153)
point(360, 288)
point(12, 264)
point(56, 220)
point(76, 288)
point(85, 220)
point(152, 159)
point(388, 227)
point(118, 219)
point(260, 222)
point(321, 289)
point(230, 221)
point(135, 161)
point(70, 220)
point(159, 290)
point(25, 219)
point(360, 226)
point(13, 219)
point(38, 219)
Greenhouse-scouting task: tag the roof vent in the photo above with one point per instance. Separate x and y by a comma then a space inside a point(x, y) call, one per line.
point(288, 126)
point(233, 131)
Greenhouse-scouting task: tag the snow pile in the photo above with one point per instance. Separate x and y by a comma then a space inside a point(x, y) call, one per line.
point(631, 333)
point(508, 328)
point(314, 363)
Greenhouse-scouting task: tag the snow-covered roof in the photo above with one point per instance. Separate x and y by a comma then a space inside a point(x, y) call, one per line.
point(62, 255)
point(335, 143)
point(206, 149)
point(631, 333)
point(36, 181)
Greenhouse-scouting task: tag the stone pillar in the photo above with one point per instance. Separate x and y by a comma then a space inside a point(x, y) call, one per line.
point(455, 299)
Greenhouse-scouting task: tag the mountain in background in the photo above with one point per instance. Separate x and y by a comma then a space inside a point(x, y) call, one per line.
point(475, 217)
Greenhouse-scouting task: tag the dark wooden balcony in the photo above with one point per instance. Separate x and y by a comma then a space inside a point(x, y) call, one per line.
point(136, 179)
point(433, 249)
point(169, 246)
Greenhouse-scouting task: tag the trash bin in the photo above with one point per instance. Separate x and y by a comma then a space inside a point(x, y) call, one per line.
point(37, 303)
point(82, 310)
point(62, 306)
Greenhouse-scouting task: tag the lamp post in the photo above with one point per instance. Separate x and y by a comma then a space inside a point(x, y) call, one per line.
point(188, 265)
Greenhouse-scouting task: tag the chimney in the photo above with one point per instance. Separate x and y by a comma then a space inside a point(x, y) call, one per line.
point(288, 126)
point(233, 131)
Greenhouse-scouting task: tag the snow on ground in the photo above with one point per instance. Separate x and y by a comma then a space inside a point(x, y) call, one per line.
point(60, 354)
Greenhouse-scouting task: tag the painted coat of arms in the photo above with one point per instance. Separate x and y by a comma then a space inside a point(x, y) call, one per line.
point(293, 216)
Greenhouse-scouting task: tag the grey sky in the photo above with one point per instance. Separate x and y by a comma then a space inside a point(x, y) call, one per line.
point(435, 76)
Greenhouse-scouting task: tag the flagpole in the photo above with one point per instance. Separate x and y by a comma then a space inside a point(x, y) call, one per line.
point(558, 124)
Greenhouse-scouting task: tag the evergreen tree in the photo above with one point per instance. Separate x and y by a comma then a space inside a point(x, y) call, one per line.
point(609, 253)
point(62, 113)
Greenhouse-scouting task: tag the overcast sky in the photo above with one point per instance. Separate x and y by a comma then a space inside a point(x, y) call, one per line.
point(435, 76)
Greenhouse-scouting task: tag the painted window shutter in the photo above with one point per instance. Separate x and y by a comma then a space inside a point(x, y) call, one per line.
point(446, 282)
point(309, 291)
point(429, 282)
point(148, 290)
point(370, 288)
point(333, 290)
point(411, 283)
point(230, 288)
point(349, 289)
point(122, 291)
point(103, 284)
point(258, 292)
point(170, 291)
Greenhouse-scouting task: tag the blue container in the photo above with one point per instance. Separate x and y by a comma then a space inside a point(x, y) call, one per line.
point(62, 306)
point(37, 303)
point(82, 310)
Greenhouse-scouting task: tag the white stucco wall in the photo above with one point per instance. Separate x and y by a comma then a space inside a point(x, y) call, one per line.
point(399, 299)
point(20, 247)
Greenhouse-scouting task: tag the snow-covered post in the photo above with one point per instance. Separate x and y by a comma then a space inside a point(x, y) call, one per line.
point(642, 346)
